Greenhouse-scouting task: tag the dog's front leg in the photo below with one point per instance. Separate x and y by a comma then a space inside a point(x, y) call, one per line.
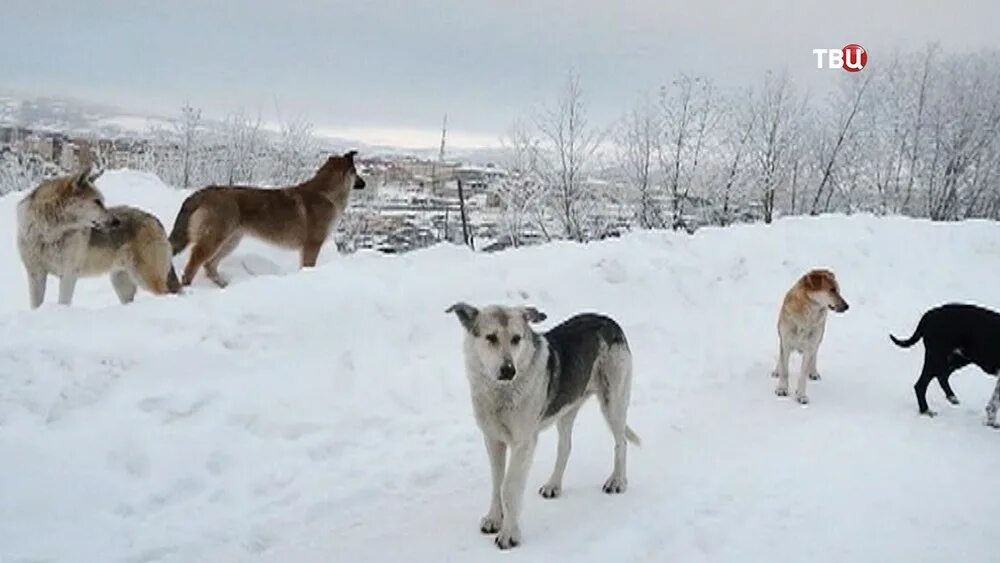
point(67, 283)
point(497, 451)
point(553, 488)
point(782, 370)
point(37, 280)
point(808, 366)
point(813, 371)
point(310, 253)
point(521, 455)
point(992, 406)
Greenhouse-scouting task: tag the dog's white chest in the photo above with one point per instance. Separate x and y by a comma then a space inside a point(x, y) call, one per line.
point(507, 413)
point(799, 336)
point(56, 256)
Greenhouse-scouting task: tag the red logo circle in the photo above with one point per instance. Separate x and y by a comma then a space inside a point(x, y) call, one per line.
point(855, 57)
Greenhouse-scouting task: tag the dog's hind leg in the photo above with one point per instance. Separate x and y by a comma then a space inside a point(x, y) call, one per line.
point(553, 488)
point(203, 250)
point(805, 374)
point(199, 254)
point(946, 387)
point(123, 285)
point(956, 361)
point(513, 492)
point(67, 284)
point(211, 234)
point(934, 365)
point(614, 399)
point(212, 265)
point(497, 452)
point(992, 406)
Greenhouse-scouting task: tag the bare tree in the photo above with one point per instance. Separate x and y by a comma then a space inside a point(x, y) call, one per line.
point(638, 140)
point(521, 193)
point(187, 129)
point(22, 170)
point(294, 152)
point(242, 142)
point(741, 122)
point(776, 107)
point(843, 122)
point(569, 145)
point(690, 114)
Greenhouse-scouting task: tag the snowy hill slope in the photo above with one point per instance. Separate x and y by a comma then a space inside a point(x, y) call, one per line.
point(323, 415)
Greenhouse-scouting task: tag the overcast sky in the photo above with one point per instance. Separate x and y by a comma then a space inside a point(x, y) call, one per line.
point(387, 70)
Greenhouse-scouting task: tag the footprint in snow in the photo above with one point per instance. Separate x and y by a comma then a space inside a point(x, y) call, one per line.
point(612, 271)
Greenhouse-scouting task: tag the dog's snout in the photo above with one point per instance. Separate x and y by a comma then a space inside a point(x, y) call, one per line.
point(507, 371)
point(844, 307)
point(359, 183)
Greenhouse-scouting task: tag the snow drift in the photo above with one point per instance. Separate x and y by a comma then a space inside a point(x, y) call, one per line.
point(323, 415)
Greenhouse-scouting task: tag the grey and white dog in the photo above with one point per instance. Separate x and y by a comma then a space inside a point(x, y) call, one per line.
point(522, 382)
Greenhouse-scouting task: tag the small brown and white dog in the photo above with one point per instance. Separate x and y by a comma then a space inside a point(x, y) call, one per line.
point(801, 325)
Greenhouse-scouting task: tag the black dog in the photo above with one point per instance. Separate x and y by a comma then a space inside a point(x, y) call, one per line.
point(956, 335)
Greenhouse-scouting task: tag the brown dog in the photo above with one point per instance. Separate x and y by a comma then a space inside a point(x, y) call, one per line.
point(215, 218)
point(801, 325)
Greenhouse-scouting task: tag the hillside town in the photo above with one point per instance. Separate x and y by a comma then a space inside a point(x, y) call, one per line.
point(410, 202)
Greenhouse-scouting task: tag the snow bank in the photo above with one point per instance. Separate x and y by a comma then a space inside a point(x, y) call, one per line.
point(323, 416)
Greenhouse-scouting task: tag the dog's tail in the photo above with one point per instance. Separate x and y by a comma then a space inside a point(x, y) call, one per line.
point(631, 436)
point(917, 335)
point(179, 235)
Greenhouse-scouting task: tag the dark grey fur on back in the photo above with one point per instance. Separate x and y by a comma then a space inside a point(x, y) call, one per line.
point(574, 346)
point(124, 227)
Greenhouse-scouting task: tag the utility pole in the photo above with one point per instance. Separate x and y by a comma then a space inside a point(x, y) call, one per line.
point(440, 160)
point(461, 208)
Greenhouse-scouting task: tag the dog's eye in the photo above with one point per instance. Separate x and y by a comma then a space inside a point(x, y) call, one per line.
point(492, 338)
point(515, 340)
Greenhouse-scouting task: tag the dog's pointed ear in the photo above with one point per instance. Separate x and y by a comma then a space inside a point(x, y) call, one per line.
point(466, 314)
point(533, 315)
point(82, 178)
point(349, 155)
point(94, 175)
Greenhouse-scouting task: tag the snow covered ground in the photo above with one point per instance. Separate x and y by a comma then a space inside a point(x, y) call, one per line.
point(323, 415)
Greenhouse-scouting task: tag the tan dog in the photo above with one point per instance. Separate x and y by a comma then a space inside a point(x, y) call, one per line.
point(65, 230)
point(215, 218)
point(801, 325)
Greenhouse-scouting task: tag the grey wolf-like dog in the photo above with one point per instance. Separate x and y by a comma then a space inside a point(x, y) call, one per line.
point(64, 229)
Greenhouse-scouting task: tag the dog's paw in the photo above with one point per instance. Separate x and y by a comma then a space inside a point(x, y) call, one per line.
point(929, 413)
point(490, 524)
point(550, 491)
point(802, 398)
point(815, 376)
point(781, 391)
point(615, 485)
point(508, 539)
point(992, 423)
point(953, 400)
